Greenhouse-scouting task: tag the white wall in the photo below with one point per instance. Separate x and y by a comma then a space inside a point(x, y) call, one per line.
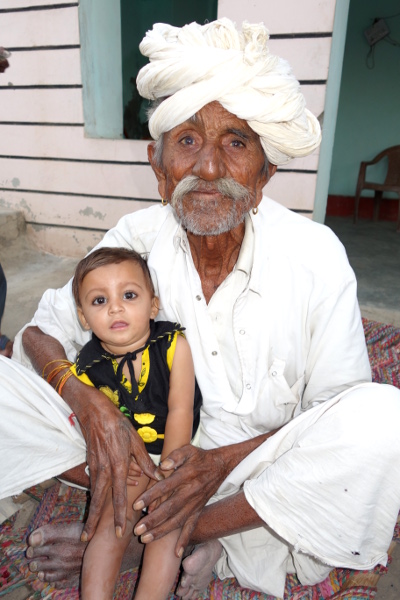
point(72, 188)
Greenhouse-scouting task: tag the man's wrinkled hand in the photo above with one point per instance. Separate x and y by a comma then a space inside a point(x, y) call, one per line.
point(111, 442)
point(197, 476)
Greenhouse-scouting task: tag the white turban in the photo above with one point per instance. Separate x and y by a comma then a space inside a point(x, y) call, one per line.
point(197, 64)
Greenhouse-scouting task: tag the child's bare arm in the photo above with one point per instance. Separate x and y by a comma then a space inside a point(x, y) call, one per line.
point(179, 424)
point(178, 429)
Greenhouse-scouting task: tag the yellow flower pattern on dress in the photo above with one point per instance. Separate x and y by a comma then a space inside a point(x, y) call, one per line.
point(113, 396)
point(144, 418)
point(149, 435)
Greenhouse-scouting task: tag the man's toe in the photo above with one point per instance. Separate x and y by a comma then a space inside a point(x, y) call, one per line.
point(36, 538)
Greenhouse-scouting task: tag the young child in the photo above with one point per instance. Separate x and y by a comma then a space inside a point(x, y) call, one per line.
point(146, 369)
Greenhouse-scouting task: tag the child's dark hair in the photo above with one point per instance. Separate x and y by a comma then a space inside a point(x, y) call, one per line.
point(108, 256)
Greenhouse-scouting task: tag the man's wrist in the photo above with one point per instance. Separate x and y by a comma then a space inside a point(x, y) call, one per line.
point(77, 395)
point(230, 456)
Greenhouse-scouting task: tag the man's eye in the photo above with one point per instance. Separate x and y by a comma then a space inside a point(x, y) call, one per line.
point(129, 295)
point(187, 141)
point(99, 300)
point(237, 144)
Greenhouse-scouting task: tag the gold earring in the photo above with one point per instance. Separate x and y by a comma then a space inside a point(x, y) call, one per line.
point(164, 201)
point(255, 210)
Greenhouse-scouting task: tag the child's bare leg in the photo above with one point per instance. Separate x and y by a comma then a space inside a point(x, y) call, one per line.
point(104, 553)
point(160, 567)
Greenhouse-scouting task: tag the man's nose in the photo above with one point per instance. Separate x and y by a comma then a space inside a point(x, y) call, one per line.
point(209, 163)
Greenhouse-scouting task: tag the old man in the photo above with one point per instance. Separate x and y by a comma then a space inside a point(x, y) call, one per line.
point(298, 462)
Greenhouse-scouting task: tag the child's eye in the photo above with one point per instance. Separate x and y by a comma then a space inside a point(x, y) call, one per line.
point(129, 295)
point(99, 300)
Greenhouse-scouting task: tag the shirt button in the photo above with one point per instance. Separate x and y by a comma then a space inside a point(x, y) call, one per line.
point(248, 386)
point(214, 353)
point(274, 373)
point(242, 332)
point(198, 297)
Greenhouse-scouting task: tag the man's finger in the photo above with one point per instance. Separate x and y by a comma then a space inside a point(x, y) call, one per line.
point(96, 507)
point(161, 530)
point(142, 457)
point(119, 500)
point(162, 488)
point(185, 535)
point(176, 459)
point(164, 512)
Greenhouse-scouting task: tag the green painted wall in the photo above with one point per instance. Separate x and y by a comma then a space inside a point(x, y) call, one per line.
point(100, 34)
point(369, 103)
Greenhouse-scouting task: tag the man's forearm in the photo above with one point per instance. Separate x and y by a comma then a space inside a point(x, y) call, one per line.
point(225, 517)
point(230, 456)
point(76, 475)
point(42, 349)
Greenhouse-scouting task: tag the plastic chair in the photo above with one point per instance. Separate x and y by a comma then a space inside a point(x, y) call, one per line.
point(391, 183)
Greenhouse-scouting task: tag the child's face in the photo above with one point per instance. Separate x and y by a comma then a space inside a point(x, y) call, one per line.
point(117, 305)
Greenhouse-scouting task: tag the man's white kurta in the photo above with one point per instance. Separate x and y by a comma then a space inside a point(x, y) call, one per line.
point(279, 338)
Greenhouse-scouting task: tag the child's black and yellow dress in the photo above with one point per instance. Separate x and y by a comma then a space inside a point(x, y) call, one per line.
point(144, 401)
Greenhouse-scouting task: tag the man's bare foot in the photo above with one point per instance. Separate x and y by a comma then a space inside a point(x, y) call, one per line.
point(198, 569)
point(55, 553)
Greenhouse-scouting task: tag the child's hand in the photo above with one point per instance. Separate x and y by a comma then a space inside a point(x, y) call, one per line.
point(134, 473)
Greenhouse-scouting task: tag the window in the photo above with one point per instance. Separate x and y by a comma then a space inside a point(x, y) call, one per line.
point(137, 17)
point(110, 32)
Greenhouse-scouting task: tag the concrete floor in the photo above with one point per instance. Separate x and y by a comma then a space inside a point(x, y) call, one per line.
point(373, 250)
point(29, 273)
point(389, 584)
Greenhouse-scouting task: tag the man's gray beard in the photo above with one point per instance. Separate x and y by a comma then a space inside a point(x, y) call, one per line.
point(238, 194)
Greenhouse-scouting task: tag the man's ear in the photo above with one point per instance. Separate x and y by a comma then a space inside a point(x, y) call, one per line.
point(155, 307)
point(158, 170)
point(82, 319)
point(271, 170)
point(266, 176)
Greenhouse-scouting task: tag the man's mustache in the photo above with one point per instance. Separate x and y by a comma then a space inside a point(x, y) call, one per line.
point(226, 186)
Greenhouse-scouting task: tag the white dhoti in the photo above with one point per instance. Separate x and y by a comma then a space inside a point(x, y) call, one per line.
point(326, 484)
point(327, 487)
point(38, 437)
